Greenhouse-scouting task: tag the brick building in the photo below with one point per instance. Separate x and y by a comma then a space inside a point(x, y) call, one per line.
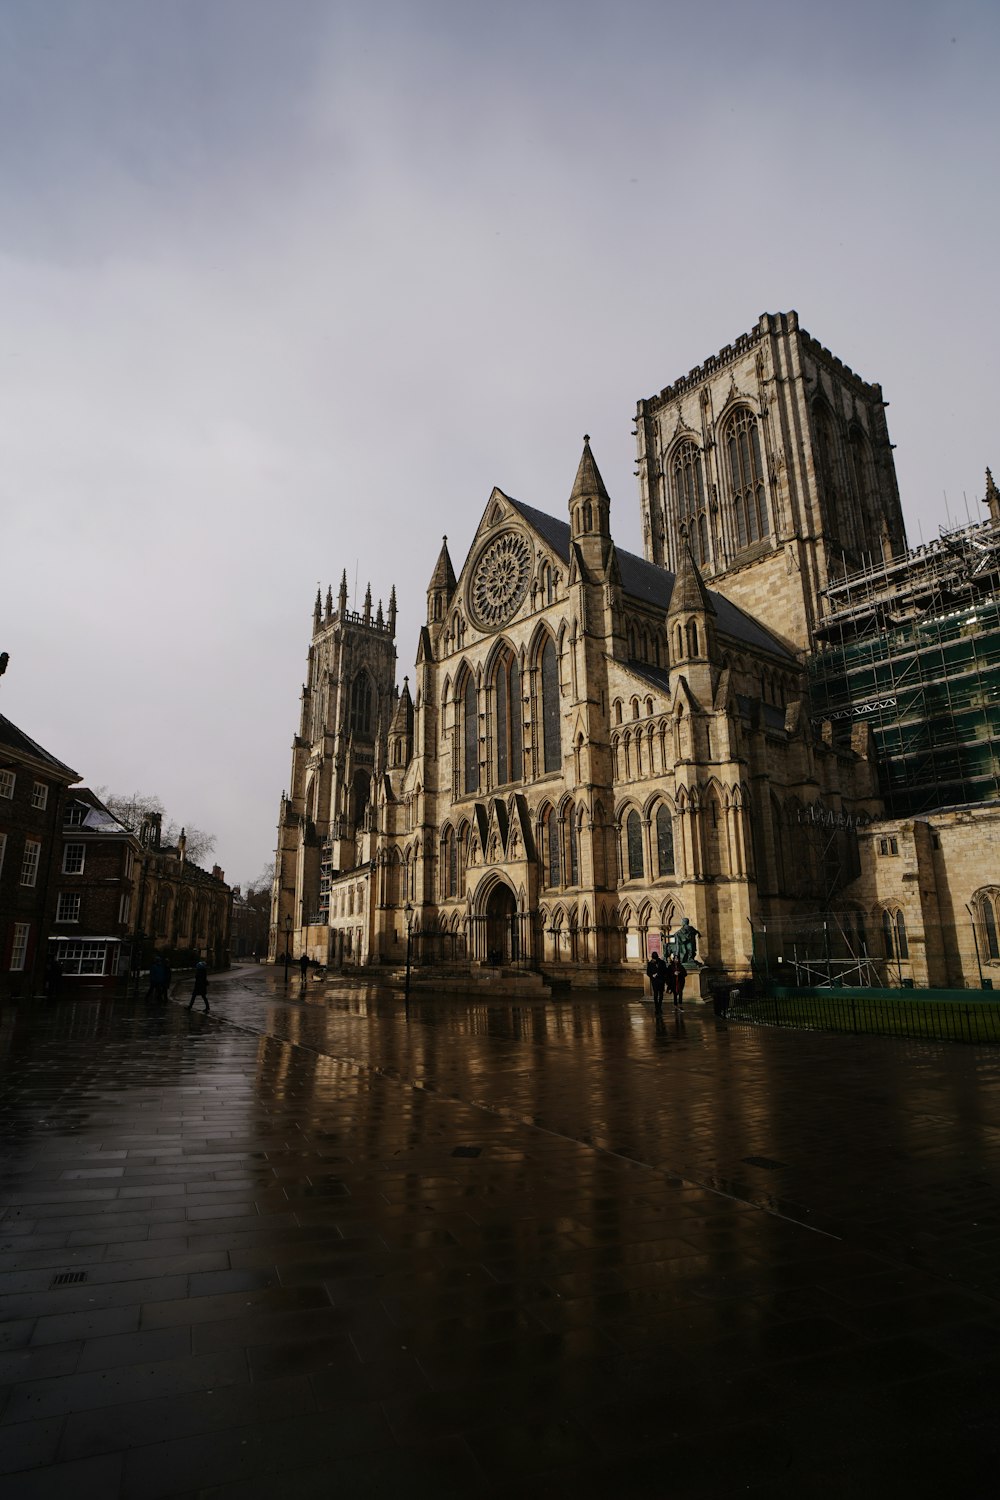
point(94, 886)
point(33, 784)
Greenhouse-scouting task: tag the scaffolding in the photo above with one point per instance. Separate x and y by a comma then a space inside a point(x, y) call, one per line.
point(911, 646)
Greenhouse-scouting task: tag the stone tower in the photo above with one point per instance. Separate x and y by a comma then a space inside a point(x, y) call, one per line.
point(348, 702)
point(776, 460)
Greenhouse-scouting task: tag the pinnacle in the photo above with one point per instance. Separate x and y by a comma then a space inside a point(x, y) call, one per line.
point(588, 483)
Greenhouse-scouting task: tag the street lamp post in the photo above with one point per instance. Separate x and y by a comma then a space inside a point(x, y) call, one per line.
point(288, 939)
point(408, 913)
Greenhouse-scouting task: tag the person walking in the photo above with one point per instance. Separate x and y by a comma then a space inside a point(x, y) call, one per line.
point(200, 984)
point(304, 967)
point(159, 978)
point(657, 972)
point(676, 975)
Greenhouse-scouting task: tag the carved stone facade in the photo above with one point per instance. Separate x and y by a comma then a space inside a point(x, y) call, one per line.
point(776, 457)
point(347, 705)
point(598, 746)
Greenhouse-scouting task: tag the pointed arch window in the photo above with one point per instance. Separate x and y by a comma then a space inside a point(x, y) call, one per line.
point(664, 840)
point(588, 516)
point(746, 477)
point(573, 845)
point(550, 844)
point(688, 485)
point(552, 743)
point(361, 704)
point(470, 736)
point(633, 846)
point(860, 456)
point(449, 864)
point(509, 759)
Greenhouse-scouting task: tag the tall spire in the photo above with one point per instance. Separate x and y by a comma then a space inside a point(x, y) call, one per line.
point(368, 605)
point(689, 594)
point(329, 602)
point(316, 610)
point(441, 587)
point(691, 626)
point(590, 513)
point(588, 484)
point(392, 611)
point(342, 597)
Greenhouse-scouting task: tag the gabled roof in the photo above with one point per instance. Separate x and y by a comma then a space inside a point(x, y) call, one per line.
point(649, 584)
point(99, 819)
point(14, 739)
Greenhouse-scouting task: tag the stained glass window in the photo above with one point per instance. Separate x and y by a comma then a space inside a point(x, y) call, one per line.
point(664, 840)
point(552, 845)
point(633, 837)
point(361, 704)
point(471, 737)
point(746, 472)
point(550, 708)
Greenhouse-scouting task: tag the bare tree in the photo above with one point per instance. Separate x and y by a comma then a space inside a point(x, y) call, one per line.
point(135, 808)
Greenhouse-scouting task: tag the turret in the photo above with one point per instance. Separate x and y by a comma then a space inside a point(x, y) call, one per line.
point(392, 612)
point(400, 744)
point(691, 626)
point(329, 604)
point(342, 596)
point(317, 612)
point(368, 605)
point(441, 588)
point(590, 513)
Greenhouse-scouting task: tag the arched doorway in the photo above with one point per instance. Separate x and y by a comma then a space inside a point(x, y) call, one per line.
point(502, 945)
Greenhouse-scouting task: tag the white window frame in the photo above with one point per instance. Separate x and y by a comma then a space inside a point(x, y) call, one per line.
point(83, 957)
point(75, 814)
point(68, 906)
point(74, 869)
point(129, 863)
point(29, 865)
point(19, 946)
point(7, 780)
point(124, 907)
point(40, 796)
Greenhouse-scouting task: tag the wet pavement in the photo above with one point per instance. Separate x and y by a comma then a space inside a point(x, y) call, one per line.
point(315, 1244)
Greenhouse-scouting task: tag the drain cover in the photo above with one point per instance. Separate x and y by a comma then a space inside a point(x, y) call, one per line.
point(467, 1150)
point(68, 1278)
point(767, 1162)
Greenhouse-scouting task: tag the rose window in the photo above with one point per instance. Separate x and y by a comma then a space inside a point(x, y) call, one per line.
point(500, 580)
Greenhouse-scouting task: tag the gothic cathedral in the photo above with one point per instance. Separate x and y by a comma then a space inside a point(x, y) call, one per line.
point(598, 746)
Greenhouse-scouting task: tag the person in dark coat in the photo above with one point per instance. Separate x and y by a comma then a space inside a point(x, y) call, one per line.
point(200, 984)
point(159, 978)
point(657, 971)
point(676, 975)
point(304, 967)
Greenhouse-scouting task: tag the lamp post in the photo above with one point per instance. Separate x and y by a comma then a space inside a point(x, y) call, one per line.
point(288, 939)
point(408, 913)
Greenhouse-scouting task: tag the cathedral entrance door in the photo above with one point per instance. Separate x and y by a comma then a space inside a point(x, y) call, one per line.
point(501, 926)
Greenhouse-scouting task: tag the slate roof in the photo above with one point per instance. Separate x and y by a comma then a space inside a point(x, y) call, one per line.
point(649, 584)
point(22, 744)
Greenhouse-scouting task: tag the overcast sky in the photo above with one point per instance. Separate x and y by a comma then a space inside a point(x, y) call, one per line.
point(289, 285)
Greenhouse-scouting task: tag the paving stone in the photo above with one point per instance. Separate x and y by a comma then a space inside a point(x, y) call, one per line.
point(295, 1285)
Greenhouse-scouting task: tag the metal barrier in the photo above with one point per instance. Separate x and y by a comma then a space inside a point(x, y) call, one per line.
point(867, 1013)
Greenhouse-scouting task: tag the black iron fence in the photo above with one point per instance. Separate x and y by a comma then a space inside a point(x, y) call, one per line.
point(948, 1016)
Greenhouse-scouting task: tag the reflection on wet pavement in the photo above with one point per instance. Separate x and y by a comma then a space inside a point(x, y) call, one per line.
point(320, 1242)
